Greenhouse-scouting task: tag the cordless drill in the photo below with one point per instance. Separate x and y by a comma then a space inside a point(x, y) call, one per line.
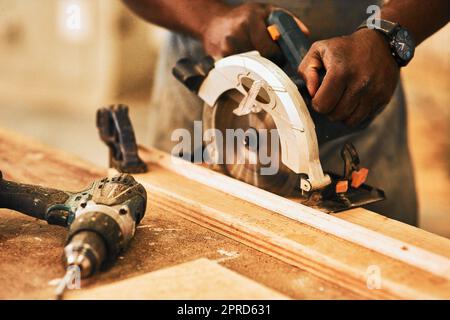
point(101, 219)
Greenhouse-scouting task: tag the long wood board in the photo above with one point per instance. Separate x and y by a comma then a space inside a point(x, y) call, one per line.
point(31, 162)
point(163, 239)
point(195, 280)
point(332, 248)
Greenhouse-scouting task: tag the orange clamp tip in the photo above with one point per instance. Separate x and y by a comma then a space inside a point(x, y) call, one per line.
point(359, 177)
point(274, 32)
point(342, 186)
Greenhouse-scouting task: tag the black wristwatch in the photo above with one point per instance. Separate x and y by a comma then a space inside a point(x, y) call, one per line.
point(400, 40)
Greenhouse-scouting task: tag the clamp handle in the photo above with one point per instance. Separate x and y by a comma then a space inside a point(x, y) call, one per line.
point(294, 44)
point(115, 129)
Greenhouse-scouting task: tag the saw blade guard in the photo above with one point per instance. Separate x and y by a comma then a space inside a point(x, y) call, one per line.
point(254, 77)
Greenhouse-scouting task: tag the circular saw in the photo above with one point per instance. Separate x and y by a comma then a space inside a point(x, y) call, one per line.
point(257, 126)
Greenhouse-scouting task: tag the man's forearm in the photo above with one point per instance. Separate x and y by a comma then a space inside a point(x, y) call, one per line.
point(421, 17)
point(186, 16)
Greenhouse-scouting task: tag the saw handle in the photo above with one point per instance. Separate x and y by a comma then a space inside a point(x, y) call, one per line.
point(293, 43)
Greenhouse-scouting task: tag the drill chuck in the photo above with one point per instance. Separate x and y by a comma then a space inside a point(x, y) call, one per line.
point(87, 251)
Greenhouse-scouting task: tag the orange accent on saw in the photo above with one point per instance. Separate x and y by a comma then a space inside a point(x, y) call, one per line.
point(342, 186)
point(359, 177)
point(274, 32)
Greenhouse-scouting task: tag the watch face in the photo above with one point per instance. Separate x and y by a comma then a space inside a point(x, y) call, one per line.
point(404, 44)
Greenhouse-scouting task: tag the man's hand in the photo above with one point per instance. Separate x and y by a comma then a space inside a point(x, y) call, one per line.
point(361, 76)
point(240, 29)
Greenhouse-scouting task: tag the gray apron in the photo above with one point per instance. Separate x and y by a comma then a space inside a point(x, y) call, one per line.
point(383, 146)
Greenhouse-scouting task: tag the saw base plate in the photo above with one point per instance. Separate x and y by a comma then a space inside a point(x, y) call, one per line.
point(353, 198)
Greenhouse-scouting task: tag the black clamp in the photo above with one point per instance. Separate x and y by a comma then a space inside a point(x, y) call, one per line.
point(117, 132)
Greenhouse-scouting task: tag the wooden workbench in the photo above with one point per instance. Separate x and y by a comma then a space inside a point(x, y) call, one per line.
point(30, 250)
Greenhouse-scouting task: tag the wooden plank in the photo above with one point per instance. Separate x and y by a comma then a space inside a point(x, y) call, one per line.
point(30, 250)
point(234, 209)
point(397, 230)
point(336, 261)
point(29, 161)
point(376, 241)
point(196, 280)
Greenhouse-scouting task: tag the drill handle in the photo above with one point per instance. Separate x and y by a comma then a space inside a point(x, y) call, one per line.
point(31, 200)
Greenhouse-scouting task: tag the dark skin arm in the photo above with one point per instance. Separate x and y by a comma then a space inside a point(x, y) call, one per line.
point(186, 16)
point(223, 29)
point(361, 74)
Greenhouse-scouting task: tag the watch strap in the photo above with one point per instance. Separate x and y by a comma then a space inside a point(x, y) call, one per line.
point(385, 26)
point(389, 30)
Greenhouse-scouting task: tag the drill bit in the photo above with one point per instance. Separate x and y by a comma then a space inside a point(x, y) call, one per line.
point(71, 274)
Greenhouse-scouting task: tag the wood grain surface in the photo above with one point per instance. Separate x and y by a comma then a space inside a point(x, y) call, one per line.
point(31, 250)
point(200, 279)
point(315, 248)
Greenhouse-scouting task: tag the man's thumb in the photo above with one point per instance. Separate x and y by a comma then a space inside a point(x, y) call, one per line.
point(309, 71)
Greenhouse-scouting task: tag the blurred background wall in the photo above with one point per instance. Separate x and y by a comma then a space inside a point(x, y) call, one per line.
point(62, 59)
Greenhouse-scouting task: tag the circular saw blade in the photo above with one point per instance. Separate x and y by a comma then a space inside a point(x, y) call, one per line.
point(248, 169)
